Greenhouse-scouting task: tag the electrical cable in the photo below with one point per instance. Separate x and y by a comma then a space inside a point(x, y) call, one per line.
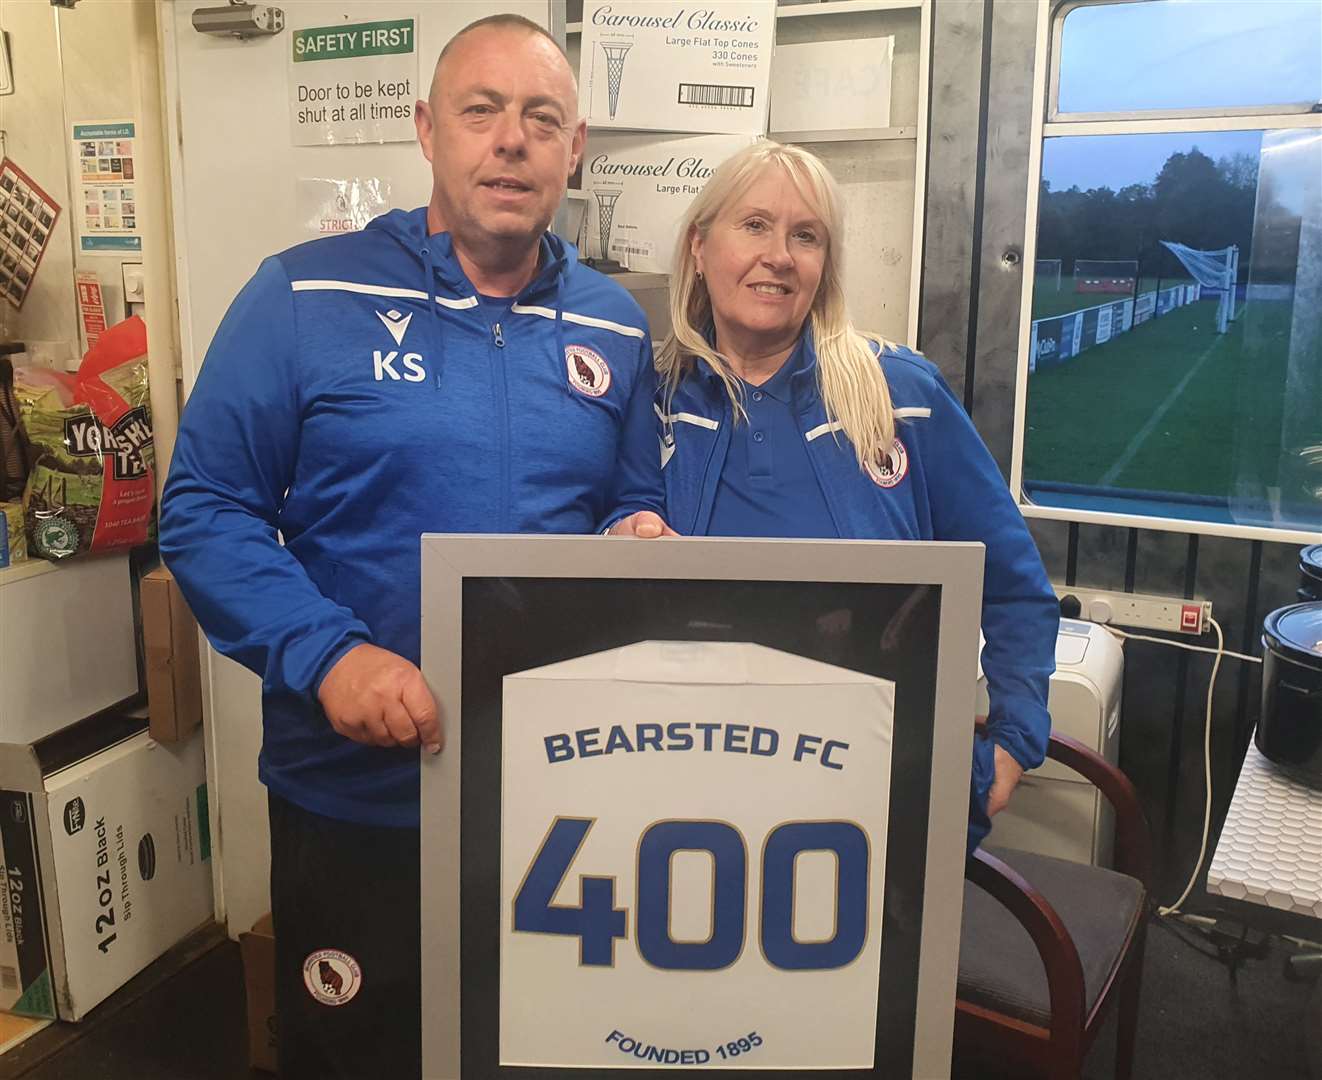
point(1181, 645)
point(1174, 928)
point(1174, 908)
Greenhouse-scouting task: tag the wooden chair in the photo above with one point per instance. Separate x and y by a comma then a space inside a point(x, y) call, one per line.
point(1048, 945)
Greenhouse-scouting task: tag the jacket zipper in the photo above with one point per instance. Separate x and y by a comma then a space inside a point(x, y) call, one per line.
point(502, 389)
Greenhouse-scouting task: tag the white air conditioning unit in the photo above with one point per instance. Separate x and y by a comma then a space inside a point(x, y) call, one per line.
point(1054, 810)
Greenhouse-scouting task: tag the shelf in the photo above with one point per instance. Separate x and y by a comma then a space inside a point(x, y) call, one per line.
point(824, 7)
point(637, 281)
point(846, 135)
point(33, 567)
point(844, 7)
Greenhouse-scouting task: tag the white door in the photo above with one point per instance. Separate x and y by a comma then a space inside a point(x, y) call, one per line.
point(236, 183)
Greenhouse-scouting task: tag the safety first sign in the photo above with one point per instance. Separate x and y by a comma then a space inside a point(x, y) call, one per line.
point(693, 860)
point(354, 83)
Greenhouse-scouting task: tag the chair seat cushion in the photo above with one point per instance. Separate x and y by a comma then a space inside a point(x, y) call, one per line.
point(999, 967)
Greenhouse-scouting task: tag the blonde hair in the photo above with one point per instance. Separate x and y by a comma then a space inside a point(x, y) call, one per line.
point(849, 375)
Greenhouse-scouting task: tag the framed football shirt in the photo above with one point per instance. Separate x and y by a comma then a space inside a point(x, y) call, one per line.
point(702, 805)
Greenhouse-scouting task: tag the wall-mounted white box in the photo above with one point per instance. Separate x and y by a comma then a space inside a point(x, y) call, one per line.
point(67, 645)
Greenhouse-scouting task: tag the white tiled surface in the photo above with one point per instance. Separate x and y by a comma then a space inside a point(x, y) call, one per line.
point(1270, 851)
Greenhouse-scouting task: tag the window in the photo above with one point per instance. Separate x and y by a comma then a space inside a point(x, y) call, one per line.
point(1190, 54)
point(1174, 356)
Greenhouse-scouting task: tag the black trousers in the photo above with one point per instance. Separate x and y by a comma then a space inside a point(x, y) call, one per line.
point(348, 983)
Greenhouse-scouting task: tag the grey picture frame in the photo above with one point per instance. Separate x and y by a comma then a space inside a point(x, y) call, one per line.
point(452, 563)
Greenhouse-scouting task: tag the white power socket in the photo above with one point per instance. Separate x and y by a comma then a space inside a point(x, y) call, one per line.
point(1171, 613)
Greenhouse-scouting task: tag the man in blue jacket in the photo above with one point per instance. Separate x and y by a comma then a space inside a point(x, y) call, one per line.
point(449, 369)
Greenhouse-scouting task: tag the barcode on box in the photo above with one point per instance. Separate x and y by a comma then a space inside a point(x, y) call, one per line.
point(740, 97)
point(8, 977)
point(629, 249)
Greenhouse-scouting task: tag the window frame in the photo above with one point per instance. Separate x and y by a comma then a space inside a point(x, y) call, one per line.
point(1046, 125)
point(1061, 9)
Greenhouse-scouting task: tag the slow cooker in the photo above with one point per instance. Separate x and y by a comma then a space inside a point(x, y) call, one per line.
point(1290, 728)
point(1310, 573)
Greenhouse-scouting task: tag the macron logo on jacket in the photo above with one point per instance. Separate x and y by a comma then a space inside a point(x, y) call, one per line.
point(397, 324)
point(383, 364)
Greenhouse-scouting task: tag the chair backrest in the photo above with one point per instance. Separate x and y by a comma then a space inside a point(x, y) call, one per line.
point(1133, 849)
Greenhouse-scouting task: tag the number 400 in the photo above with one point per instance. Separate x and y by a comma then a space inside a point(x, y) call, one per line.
point(597, 922)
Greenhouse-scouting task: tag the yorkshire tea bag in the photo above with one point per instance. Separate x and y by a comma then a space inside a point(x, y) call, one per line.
point(90, 488)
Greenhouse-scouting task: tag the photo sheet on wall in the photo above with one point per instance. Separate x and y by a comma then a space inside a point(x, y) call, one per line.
point(27, 218)
point(702, 805)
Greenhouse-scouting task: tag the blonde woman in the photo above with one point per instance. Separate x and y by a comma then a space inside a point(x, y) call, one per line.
point(779, 418)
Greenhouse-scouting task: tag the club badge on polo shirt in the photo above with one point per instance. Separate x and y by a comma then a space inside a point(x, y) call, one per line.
point(894, 466)
point(332, 977)
point(587, 370)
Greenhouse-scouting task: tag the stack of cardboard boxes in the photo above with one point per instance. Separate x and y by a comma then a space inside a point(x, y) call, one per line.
point(105, 841)
point(258, 949)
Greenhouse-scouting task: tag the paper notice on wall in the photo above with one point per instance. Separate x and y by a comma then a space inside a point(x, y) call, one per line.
point(832, 85)
point(327, 206)
point(353, 83)
point(91, 306)
point(27, 218)
point(107, 208)
point(639, 187)
point(654, 65)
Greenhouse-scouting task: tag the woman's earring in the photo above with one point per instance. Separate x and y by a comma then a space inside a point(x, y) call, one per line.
point(699, 273)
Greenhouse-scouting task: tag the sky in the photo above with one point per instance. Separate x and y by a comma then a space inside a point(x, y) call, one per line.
point(1191, 54)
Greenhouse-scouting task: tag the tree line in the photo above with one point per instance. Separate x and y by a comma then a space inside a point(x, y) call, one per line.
point(1194, 200)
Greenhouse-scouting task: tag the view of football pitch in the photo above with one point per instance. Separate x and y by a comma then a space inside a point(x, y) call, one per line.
point(1170, 406)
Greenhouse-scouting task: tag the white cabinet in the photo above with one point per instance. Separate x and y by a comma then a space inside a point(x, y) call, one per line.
point(1054, 810)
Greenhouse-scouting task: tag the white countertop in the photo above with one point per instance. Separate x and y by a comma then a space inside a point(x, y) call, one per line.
point(1270, 851)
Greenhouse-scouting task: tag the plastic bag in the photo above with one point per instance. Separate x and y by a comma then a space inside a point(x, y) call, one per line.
point(91, 487)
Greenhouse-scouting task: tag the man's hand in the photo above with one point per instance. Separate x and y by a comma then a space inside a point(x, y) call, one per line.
point(644, 524)
point(374, 696)
point(1008, 772)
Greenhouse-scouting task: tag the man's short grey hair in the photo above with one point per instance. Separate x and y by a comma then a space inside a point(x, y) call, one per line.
point(503, 21)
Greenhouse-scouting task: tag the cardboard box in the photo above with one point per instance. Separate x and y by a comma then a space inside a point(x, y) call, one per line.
point(258, 949)
point(639, 186)
point(105, 854)
point(174, 678)
point(646, 66)
point(752, 754)
point(832, 85)
point(67, 643)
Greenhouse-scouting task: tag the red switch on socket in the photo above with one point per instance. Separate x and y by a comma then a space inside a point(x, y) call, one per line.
point(1191, 617)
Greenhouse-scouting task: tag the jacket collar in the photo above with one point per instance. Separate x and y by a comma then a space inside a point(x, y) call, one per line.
point(803, 383)
point(409, 228)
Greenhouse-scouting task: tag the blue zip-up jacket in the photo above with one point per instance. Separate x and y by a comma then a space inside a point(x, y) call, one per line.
point(357, 394)
point(941, 484)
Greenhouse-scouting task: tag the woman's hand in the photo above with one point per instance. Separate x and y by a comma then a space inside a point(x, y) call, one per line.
point(644, 524)
point(1008, 772)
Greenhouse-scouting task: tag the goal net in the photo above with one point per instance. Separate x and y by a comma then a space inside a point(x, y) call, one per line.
point(1105, 275)
point(1046, 272)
